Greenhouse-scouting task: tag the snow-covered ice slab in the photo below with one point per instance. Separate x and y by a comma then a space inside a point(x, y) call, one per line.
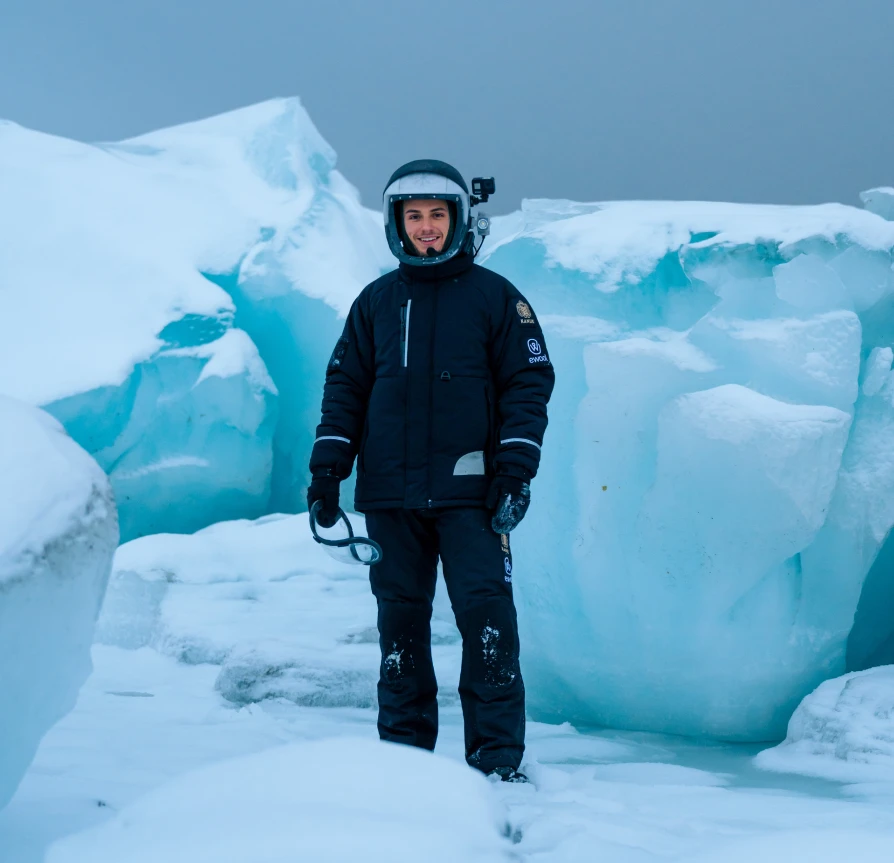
point(332, 801)
point(843, 730)
point(879, 201)
point(718, 475)
point(58, 532)
point(264, 602)
point(114, 319)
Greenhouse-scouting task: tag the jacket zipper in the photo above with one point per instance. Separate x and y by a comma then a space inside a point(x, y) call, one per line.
point(405, 333)
point(431, 384)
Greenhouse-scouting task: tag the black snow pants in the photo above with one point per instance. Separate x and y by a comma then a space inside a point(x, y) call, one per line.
point(478, 571)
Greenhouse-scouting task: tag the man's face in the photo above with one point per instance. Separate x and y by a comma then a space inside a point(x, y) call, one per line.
point(427, 224)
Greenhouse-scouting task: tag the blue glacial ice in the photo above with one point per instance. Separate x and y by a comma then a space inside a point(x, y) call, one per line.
point(717, 489)
point(114, 278)
point(719, 471)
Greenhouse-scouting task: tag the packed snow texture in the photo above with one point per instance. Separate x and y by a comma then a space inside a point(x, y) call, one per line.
point(328, 802)
point(844, 730)
point(144, 719)
point(114, 270)
point(266, 604)
point(879, 201)
point(58, 532)
point(718, 476)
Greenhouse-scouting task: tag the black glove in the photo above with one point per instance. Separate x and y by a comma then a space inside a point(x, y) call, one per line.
point(324, 488)
point(510, 496)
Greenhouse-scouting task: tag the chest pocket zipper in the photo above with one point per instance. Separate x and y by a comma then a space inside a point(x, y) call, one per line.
point(405, 333)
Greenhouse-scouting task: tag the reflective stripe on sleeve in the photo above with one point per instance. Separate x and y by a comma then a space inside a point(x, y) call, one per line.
point(332, 437)
point(519, 440)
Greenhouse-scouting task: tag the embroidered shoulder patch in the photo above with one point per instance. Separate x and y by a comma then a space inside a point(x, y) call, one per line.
point(524, 312)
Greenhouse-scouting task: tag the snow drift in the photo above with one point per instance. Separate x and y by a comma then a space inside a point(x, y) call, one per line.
point(329, 802)
point(58, 532)
point(844, 730)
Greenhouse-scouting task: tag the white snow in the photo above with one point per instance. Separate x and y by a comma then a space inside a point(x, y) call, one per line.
point(262, 601)
point(105, 245)
point(58, 530)
point(843, 730)
point(234, 353)
point(145, 721)
point(124, 761)
point(332, 801)
point(622, 241)
point(880, 201)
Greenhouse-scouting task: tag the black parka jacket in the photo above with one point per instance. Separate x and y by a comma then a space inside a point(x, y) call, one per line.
point(440, 379)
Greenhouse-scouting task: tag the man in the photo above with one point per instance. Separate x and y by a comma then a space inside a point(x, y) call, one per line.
point(439, 384)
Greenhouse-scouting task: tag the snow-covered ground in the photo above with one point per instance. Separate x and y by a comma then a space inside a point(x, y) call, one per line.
point(188, 610)
point(144, 719)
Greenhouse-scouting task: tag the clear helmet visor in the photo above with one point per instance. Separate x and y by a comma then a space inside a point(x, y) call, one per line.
point(340, 543)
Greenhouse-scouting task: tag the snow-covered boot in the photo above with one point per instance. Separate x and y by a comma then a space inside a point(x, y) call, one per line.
point(508, 774)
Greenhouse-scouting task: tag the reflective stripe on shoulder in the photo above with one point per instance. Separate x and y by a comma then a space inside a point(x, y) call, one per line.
point(332, 437)
point(519, 440)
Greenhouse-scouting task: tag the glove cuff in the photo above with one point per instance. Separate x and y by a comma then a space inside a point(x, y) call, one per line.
point(515, 470)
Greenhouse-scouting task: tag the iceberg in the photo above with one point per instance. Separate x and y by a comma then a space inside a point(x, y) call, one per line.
point(717, 478)
point(116, 322)
point(58, 532)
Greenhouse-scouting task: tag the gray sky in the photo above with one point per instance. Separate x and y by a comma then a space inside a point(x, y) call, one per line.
point(787, 101)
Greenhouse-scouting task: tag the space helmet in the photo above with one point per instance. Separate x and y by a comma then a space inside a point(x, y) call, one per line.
point(433, 180)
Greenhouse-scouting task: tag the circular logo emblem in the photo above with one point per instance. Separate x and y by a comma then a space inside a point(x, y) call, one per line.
point(507, 565)
point(534, 346)
point(523, 309)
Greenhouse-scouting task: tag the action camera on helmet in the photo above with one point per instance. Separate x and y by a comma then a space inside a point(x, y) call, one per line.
point(482, 189)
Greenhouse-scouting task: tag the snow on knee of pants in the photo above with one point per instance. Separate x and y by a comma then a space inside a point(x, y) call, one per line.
point(327, 801)
point(843, 730)
point(58, 532)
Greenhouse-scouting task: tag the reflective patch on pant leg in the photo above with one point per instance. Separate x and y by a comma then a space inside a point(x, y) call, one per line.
point(471, 464)
point(507, 558)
